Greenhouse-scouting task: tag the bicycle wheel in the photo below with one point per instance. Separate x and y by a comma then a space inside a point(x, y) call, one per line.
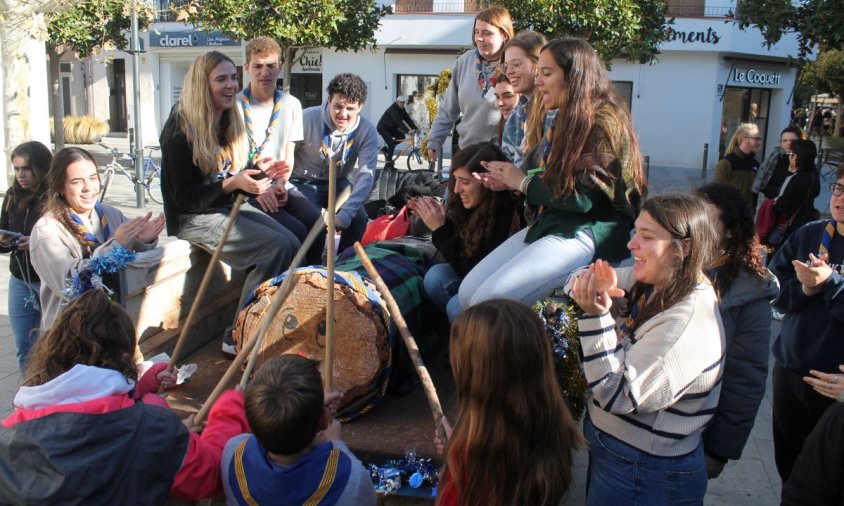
point(154, 188)
point(108, 175)
point(415, 160)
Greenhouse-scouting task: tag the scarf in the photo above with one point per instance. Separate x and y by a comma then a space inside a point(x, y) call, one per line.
point(254, 149)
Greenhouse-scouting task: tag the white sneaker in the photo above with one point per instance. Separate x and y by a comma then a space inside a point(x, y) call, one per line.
point(229, 350)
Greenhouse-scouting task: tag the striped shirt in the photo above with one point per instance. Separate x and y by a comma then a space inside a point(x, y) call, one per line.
point(657, 388)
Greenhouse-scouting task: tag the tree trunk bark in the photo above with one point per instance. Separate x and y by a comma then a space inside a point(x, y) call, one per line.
point(56, 102)
point(290, 54)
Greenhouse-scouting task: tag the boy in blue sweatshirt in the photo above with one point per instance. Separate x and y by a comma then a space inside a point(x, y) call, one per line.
point(286, 460)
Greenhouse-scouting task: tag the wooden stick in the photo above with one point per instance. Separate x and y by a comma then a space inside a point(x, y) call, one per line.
point(409, 341)
point(328, 370)
point(203, 286)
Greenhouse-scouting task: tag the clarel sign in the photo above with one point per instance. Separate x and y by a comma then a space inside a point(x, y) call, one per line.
point(189, 39)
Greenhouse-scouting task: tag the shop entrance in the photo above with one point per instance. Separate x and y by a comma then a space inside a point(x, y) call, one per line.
point(744, 105)
point(117, 113)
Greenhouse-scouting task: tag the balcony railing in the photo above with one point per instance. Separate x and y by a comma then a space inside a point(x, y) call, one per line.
point(411, 6)
point(698, 8)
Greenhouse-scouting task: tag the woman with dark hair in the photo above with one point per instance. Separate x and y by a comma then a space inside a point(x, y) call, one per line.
point(655, 378)
point(513, 437)
point(22, 207)
point(76, 229)
point(745, 288)
point(470, 97)
point(475, 222)
point(78, 434)
point(586, 188)
point(795, 204)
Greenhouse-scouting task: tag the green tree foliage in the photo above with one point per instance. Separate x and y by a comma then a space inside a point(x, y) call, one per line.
point(345, 25)
point(815, 22)
point(86, 28)
point(630, 29)
point(826, 75)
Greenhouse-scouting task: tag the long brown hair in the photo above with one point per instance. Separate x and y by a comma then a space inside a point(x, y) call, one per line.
point(693, 246)
point(91, 330)
point(38, 157)
point(588, 101)
point(474, 226)
point(196, 119)
point(739, 245)
point(57, 206)
point(514, 436)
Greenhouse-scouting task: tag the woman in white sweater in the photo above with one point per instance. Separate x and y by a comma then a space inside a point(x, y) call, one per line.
point(77, 229)
point(655, 378)
point(470, 96)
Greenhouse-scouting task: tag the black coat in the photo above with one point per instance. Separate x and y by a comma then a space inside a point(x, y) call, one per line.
point(22, 220)
point(396, 120)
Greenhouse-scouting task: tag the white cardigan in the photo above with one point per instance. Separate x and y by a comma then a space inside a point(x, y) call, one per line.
point(57, 255)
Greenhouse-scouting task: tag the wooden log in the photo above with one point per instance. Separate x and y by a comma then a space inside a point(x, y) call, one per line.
point(203, 287)
point(252, 345)
point(409, 341)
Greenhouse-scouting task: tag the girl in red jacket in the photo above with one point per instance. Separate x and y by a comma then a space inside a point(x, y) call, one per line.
point(79, 435)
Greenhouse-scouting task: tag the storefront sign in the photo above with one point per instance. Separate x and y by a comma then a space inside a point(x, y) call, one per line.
point(309, 62)
point(189, 39)
point(755, 76)
point(709, 36)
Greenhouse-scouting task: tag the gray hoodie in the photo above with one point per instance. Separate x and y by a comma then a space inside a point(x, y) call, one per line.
point(464, 96)
point(311, 165)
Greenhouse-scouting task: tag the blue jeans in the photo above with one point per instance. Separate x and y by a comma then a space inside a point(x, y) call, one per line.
point(525, 272)
point(621, 474)
point(317, 193)
point(23, 317)
point(441, 285)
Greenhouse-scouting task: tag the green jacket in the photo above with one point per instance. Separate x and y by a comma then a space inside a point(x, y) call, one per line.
point(605, 200)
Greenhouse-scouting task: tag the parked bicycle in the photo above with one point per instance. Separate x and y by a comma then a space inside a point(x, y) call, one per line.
point(151, 179)
point(409, 147)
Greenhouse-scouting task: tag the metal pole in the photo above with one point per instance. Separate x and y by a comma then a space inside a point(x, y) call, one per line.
point(647, 166)
point(705, 160)
point(137, 154)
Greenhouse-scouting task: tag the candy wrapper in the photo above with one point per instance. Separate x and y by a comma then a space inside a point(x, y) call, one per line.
point(559, 316)
point(183, 373)
point(411, 471)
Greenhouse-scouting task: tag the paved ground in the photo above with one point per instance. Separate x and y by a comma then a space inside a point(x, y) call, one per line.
point(750, 481)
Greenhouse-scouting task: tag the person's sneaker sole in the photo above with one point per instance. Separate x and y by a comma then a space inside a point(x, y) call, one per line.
point(229, 351)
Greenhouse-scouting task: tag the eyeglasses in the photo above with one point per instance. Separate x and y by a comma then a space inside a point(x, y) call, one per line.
point(836, 189)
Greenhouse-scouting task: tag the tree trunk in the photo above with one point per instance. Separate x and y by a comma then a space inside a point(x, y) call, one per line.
point(56, 102)
point(290, 54)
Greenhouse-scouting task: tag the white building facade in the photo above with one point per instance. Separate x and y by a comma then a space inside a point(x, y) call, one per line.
point(707, 80)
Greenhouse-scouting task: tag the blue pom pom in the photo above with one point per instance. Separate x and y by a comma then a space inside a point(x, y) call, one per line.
point(415, 480)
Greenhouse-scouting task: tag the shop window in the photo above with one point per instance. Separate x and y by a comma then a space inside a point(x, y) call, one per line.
point(624, 89)
point(744, 105)
point(416, 88)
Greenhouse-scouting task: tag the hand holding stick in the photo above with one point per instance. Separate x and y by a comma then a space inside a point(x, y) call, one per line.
point(409, 341)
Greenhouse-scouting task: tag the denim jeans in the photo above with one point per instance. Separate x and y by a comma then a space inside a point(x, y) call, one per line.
point(317, 193)
point(621, 474)
point(525, 272)
point(441, 285)
point(23, 317)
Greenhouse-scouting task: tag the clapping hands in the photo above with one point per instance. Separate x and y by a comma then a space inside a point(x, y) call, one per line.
point(144, 229)
point(595, 287)
point(812, 274)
